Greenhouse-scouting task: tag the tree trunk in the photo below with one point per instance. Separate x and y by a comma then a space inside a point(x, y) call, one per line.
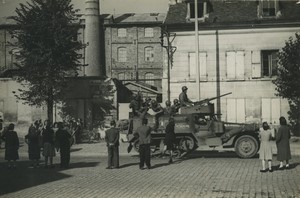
point(50, 105)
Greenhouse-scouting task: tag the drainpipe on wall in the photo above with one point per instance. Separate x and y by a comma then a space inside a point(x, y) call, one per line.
point(197, 50)
point(218, 76)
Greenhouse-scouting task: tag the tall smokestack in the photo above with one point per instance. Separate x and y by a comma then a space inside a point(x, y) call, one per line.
point(92, 38)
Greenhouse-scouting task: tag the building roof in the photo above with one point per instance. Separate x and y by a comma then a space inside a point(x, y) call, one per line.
point(133, 18)
point(233, 12)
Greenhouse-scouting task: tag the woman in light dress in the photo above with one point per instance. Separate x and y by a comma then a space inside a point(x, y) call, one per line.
point(265, 152)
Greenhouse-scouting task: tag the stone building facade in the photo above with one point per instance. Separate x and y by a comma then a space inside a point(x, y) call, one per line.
point(238, 45)
point(133, 50)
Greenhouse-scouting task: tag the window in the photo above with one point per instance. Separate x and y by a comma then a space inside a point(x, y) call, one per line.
point(235, 64)
point(122, 32)
point(202, 65)
point(149, 78)
point(269, 63)
point(236, 110)
point(203, 9)
point(270, 110)
point(268, 8)
point(149, 54)
point(148, 32)
point(122, 54)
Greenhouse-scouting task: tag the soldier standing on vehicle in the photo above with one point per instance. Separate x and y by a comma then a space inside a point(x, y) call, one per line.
point(134, 104)
point(158, 110)
point(168, 109)
point(176, 106)
point(183, 98)
point(143, 133)
point(112, 140)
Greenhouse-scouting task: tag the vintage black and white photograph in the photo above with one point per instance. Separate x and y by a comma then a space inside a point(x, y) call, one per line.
point(150, 98)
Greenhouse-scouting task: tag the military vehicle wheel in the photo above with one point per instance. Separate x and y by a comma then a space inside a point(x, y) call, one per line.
point(246, 146)
point(186, 144)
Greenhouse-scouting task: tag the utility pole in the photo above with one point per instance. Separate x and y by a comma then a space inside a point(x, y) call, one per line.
point(170, 51)
point(197, 50)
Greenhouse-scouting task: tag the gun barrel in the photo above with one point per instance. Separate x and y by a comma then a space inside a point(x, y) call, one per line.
point(210, 99)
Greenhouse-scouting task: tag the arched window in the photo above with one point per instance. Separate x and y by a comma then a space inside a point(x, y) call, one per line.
point(122, 54)
point(148, 32)
point(149, 77)
point(149, 55)
point(122, 32)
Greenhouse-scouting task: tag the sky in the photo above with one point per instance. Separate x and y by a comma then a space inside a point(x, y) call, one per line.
point(7, 7)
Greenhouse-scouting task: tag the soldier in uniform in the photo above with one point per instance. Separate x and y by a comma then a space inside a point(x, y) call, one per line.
point(134, 104)
point(176, 105)
point(158, 112)
point(168, 109)
point(183, 98)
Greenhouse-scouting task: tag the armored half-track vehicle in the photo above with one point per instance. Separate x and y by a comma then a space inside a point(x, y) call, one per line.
point(198, 125)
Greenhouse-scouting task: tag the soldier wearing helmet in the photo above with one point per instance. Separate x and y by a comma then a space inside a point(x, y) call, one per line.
point(158, 110)
point(134, 104)
point(168, 108)
point(176, 105)
point(183, 98)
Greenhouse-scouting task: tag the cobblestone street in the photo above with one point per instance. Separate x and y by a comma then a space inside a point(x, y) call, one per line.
point(202, 174)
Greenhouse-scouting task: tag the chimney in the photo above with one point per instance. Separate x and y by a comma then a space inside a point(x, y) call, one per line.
point(92, 38)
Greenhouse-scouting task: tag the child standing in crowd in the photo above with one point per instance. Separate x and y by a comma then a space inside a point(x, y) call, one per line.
point(11, 146)
point(265, 152)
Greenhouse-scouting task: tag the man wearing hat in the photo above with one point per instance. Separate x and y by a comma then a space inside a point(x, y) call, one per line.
point(112, 141)
point(183, 98)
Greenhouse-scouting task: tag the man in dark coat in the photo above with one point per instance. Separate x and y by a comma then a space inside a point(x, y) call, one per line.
point(62, 138)
point(112, 140)
point(11, 146)
point(143, 133)
point(183, 98)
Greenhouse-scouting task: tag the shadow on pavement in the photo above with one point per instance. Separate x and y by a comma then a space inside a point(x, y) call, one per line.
point(130, 164)
point(13, 180)
point(213, 154)
point(75, 149)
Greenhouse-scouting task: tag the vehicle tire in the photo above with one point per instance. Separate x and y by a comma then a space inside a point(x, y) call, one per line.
point(246, 146)
point(187, 143)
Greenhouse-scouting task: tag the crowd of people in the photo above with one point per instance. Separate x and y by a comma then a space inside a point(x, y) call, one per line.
point(42, 138)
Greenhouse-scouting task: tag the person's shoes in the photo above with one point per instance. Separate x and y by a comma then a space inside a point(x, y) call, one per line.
point(287, 166)
point(281, 168)
point(263, 171)
point(170, 161)
point(148, 167)
point(141, 168)
point(270, 170)
point(108, 167)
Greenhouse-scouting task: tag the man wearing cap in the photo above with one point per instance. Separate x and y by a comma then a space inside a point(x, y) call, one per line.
point(112, 141)
point(183, 98)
